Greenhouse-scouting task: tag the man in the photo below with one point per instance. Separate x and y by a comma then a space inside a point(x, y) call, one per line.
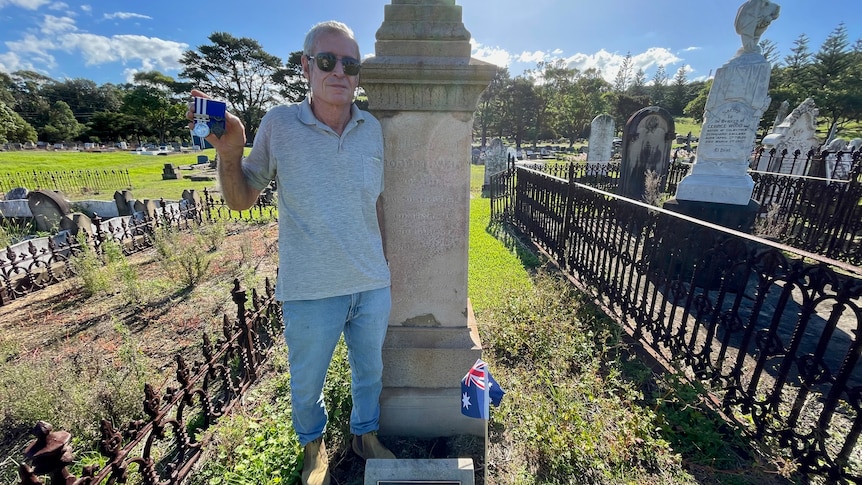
point(327, 158)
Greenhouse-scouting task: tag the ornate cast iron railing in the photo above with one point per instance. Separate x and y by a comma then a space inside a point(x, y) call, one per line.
point(69, 182)
point(38, 263)
point(817, 214)
point(163, 446)
point(771, 330)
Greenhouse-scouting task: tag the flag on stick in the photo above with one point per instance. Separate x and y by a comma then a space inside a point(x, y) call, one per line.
point(478, 391)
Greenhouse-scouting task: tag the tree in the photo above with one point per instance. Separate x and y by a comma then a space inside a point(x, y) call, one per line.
point(519, 105)
point(83, 96)
point(13, 128)
point(658, 91)
point(159, 102)
point(62, 125)
point(638, 85)
point(29, 102)
point(110, 127)
point(696, 107)
point(678, 93)
point(621, 81)
point(238, 71)
point(293, 86)
point(836, 76)
point(489, 111)
point(769, 50)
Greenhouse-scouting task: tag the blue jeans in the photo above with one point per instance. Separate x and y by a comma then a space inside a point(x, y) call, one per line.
point(312, 329)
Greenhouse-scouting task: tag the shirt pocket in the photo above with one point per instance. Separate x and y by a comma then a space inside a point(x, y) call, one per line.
point(372, 175)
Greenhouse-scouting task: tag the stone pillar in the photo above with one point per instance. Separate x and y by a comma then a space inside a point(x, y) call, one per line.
point(423, 87)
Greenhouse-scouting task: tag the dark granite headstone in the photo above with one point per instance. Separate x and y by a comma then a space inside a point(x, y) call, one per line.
point(17, 193)
point(169, 172)
point(77, 222)
point(48, 209)
point(125, 202)
point(647, 141)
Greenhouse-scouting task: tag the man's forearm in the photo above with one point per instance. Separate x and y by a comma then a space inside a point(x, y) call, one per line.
point(235, 189)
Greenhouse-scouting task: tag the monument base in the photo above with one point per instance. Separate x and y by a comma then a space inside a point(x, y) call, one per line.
point(715, 188)
point(732, 216)
point(448, 471)
point(422, 372)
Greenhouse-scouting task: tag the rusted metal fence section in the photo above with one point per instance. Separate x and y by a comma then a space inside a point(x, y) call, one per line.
point(772, 331)
point(164, 444)
point(37, 263)
point(69, 182)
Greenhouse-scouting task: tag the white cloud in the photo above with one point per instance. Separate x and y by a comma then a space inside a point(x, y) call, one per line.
point(52, 26)
point(126, 16)
point(87, 8)
point(609, 63)
point(151, 52)
point(494, 55)
point(35, 50)
point(692, 48)
point(27, 4)
point(58, 6)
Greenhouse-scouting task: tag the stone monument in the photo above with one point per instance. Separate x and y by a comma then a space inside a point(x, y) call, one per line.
point(797, 131)
point(601, 138)
point(496, 159)
point(48, 209)
point(735, 104)
point(423, 87)
point(647, 141)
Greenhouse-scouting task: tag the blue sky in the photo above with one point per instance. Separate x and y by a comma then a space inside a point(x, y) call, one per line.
point(108, 41)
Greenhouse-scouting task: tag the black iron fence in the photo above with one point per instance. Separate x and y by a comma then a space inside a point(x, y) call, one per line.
point(817, 214)
point(40, 262)
point(165, 443)
point(772, 331)
point(68, 182)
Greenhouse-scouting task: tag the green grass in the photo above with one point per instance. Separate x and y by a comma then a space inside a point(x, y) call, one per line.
point(145, 171)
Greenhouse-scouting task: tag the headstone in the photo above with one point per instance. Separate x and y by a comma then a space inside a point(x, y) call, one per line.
point(427, 126)
point(647, 141)
point(148, 207)
point(496, 157)
point(169, 172)
point(601, 138)
point(192, 197)
point(77, 222)
point(454, 471)
point(798, 131)
point(125, 202)
point(736, 102)
point(48, 209)
point(203, 159)
point(18, 193)
point(780, 114)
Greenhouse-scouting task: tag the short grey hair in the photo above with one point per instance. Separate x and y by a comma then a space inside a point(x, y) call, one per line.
point(328, 27)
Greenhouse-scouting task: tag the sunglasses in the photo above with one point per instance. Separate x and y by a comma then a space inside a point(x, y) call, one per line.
point(326, 62)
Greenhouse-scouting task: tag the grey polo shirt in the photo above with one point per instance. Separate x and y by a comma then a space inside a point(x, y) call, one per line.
point(328, 185)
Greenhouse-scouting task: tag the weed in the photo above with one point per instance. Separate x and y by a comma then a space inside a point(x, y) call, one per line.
point(772, 224)
point(652, 188)
point(185, 254)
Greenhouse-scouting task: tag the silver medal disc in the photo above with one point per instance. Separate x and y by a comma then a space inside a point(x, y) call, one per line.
point(201, 129)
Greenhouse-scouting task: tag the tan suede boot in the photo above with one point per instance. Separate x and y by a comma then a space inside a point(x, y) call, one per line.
point(315, 464)
point(368, 446)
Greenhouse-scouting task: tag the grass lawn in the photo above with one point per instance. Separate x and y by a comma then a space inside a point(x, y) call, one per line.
point(145, 171)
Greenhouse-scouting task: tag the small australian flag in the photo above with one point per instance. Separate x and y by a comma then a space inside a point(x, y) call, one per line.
point(478, 391)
